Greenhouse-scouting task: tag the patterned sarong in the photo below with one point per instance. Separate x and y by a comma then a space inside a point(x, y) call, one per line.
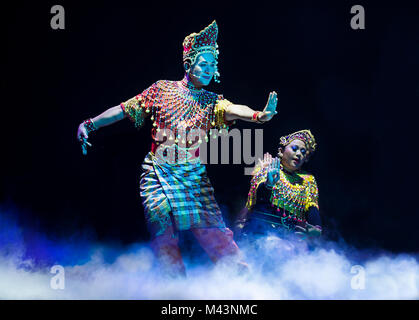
point(177, 194)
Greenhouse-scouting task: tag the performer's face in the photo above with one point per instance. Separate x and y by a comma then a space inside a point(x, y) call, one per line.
point(293, 155)
point(202, 71)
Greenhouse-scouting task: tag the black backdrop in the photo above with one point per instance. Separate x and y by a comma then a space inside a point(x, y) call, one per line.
point(357, 90)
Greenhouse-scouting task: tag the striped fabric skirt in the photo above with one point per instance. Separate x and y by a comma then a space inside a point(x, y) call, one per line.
point(178, 195)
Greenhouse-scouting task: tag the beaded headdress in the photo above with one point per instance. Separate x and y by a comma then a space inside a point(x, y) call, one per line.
point(304, 135)
point(202, 42)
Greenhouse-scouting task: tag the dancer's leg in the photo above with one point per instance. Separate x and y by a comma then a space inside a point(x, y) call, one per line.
point(166, 250)
point(219, 244)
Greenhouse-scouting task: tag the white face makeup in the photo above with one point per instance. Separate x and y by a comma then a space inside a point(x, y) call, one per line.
point(202, 71)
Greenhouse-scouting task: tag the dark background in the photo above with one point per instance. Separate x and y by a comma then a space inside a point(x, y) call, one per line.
point(357, 90)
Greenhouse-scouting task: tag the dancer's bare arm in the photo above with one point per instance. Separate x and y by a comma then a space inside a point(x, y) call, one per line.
point(109, 116)
point(243, 112)
point(106, 118)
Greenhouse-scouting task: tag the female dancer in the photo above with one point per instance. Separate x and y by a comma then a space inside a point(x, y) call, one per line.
point(283, 199)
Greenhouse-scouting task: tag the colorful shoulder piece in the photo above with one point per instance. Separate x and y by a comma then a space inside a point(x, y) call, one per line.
point(312, 193)
point(139, 107)
point(259, 176)
point(219, 113)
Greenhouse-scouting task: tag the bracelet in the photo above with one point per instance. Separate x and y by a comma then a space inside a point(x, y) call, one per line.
point(90, 125)
point(255, 117)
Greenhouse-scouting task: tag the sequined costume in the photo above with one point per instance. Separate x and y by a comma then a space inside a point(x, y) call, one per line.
point(174, 185)
point(291, 202)
point(178, 111)
point(175, 189)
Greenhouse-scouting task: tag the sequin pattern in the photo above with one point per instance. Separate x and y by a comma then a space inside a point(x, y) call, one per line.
point(295, 193)
point(176, 106)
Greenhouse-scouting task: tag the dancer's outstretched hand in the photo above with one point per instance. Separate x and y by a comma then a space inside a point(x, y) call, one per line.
point(270, 108)
point(267, 159)
point(273, 172)
point(82, 136)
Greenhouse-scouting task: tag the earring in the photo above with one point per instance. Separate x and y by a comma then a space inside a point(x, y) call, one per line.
point(216, 76)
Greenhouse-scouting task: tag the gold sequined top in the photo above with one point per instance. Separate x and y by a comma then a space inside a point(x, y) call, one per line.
point(295, 192)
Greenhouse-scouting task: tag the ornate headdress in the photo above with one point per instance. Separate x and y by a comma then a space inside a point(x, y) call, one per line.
point(201, 42)
point(304, 135)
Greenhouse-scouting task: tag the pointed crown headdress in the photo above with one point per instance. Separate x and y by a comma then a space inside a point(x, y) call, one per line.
point(202, 42)
point(304, 135)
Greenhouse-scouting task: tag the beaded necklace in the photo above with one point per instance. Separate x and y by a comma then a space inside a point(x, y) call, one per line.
point(294, 193)
point(289, 193)
point(182, 108)
point(179, 110)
